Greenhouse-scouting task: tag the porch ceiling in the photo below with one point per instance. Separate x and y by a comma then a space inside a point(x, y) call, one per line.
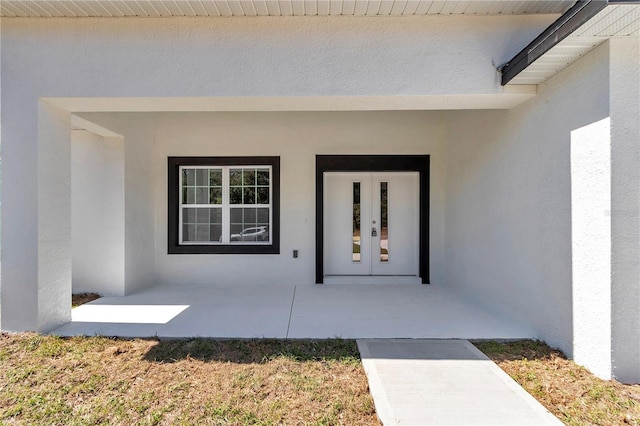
point(156, 8)
point(612, 20)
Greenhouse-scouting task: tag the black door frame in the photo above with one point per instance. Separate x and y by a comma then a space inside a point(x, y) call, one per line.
point(374, 163)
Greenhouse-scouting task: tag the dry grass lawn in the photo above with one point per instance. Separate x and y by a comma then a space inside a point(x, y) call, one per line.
point(569, 391)
point(96, 380)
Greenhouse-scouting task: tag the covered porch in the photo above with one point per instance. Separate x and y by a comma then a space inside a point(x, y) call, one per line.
point(532, 188)
point(293, 311)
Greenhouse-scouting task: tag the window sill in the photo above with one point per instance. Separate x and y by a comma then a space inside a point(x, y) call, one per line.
point(224, 249)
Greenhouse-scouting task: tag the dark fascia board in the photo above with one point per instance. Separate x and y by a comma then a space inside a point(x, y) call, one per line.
point(581, 12)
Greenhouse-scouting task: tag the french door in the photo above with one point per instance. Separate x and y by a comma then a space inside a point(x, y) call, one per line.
point(371, 223)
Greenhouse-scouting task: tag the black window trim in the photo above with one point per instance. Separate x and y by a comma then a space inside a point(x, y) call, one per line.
point(174, 164)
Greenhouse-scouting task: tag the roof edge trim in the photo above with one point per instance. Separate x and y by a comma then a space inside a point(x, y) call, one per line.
point(571, 20)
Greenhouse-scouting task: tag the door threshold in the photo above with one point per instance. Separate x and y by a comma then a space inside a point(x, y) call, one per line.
point(372, 279)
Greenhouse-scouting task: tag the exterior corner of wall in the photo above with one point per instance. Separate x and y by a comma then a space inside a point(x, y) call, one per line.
point(53, 217)
point(591, 246)
point(508, 219)
point(139, 212)
point(624, 104)
point(1, 173)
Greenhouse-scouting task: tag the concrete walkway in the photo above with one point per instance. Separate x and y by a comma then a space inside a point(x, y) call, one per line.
point(444, 382)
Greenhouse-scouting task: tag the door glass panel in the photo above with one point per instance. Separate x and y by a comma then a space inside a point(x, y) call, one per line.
point(384, 221)
point(355, 254)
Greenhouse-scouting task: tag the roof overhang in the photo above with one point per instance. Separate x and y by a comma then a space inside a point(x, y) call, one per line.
point(155, 8)
point(583, 27)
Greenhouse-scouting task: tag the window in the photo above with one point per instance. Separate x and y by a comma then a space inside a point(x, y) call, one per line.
point(224, 205)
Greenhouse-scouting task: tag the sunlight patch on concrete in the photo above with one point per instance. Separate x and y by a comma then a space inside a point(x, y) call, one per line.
point(130, 314)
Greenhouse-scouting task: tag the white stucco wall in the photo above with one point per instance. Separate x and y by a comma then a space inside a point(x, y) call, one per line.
point(297, 138)
point(97, 213)
point(504, 192)
point(625, 213)
point(138, 135)
point(316, 56)
point(508, 217)
point(52, 255)
point(1, 173)
point(266, 56)
point(591, 245)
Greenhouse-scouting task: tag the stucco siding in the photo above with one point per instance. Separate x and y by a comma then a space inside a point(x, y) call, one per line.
point(270, 56)
point(505, 184)
point(625, 198)
point(138, 136)
point(97, 213)
point(508, 217)
point(267, 56)
point(1, 173)
point(297, 138)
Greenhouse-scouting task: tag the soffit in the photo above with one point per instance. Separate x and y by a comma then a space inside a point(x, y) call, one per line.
point(615, 20)
point(166, 8)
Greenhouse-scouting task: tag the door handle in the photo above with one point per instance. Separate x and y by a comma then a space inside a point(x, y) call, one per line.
point(374, 232)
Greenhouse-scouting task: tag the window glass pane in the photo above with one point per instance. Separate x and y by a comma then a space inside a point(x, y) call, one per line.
point(355, 254)
point(262, 195)
point(215, 233)
point(249, 177)
point(235, 195)
point(202, 216)
point(384, 222)
point(236, 216)
point(202, 232)
point(235, 177)
point(202, 195)
point(188, 232)
point(250, 215)
point(215, 216)
point(249, 195)
point(215, 196)
point(191, 177)
point(201, 177)
point(189, 215)
point(215, 177)
point(191, 196)
point(249, 229)
point(263, 177)
point(263, 215)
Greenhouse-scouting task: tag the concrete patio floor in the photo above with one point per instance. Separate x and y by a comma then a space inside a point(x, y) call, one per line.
point(302, 311)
